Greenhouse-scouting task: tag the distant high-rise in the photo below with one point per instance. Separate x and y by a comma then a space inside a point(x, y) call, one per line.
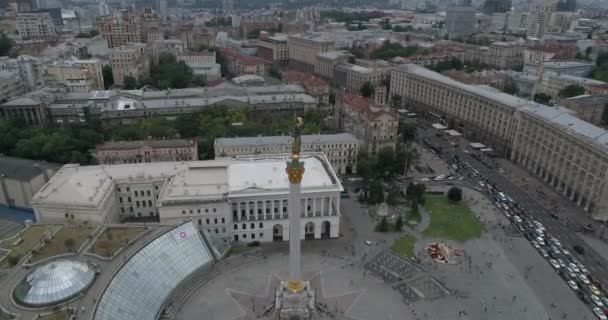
point(228, 6)
point(460, 20)
point(161, 9)
point(496, 6)
point(566, 6)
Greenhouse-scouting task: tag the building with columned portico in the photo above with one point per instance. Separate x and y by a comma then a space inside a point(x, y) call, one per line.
point(242, 199)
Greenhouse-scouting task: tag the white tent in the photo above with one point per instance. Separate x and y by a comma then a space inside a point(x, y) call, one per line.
point(453, 133)
point(477, 145)
point(439, 126)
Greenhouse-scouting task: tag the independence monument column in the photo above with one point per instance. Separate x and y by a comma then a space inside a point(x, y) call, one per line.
point(295, 171)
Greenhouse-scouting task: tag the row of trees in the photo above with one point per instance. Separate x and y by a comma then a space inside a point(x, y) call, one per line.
point(600, 71)
point(390, 50)
point(349, 17)
point(167, 73)
point(90, 34)
point(387, 163)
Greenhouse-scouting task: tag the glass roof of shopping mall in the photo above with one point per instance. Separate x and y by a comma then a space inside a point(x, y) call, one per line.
point(54, 282)
point(142, 284)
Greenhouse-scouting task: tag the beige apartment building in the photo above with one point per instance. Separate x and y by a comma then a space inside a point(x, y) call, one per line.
point(303, 50)
point(503, 55)
point(327, 61)
point(374, 125)
point(568, 153)
point(78, 75)
point(351, 77)
point(141, 151)
point(10, 85)
point(552, 83)
point(552, 142)
point(130, 60)
point(273, 49)
point(120, 30)
point(35, 25)
point(192, 57)
point(340, 149)
point(587, 107)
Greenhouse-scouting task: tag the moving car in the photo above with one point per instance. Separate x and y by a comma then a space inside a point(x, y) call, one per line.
point(595, 290)
point(584, 279)
point(517, 219)
point(535, 244)
point(554, 263)
point(574, 267)
point(599, 314)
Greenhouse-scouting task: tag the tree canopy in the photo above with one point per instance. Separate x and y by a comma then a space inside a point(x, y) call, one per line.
point(448, 64)
point(572, 90)
point(108, 77)
point(170, 73)
point(543, 98)
point(367, 89)
point(600, 71)
point(510, 87)
point(5, 44)
point(390, 50)
point(349, 17)
point(455, 194)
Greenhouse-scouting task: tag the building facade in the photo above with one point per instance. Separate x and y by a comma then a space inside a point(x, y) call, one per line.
point(120, 30)
point(303, 50)
point(327, 61)
point(239, 64)
point(340, 149)
point(502, 55)
point(71, 72)
point(460, 21)
point(35, 25)
point(351, 77)
point(10, 85)
point(273, 49)
point(374, 126)
point(20, 179)
point(141, 151)
point(129, 60)
point(589, 108)
point(543, 139)
point(552, 83)
point(242, 199)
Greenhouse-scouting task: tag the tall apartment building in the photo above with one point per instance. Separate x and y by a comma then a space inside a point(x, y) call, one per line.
point(35, 25)
point(351, 77)
point(569, 153)
point(340, 149)
point(215, 194)
point(142, 151)
point(541, 18)
point(327, 61)
point(228, 6)
point(130, 60)
point(303, 50)
point(121, 29)
point(552, 83)
point(374, 126)
point(589, 108)
point(162, 9)
point(460, 21)
point(503, 55)
point(78, 75)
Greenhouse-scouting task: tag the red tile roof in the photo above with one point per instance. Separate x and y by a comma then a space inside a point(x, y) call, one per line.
point(362, 105)
point(304, 78)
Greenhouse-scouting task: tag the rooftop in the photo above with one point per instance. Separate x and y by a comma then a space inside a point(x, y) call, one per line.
point(126, 145)
point(285, 140)
point(23, 169)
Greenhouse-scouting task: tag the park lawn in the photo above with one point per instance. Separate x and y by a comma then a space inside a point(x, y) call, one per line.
point(114, 238)
point(412, 217)
point(77, 232)
point(450, 220)
point(31, 236)
point(404, 245)
point(59, 315)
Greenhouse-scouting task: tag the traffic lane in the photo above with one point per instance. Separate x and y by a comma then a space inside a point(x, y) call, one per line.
point(538, 212)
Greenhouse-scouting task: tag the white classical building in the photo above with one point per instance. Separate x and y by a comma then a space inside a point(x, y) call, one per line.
point(340, 149)
point(241, 199)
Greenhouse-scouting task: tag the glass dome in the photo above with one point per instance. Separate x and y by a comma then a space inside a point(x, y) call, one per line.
point(54, 282)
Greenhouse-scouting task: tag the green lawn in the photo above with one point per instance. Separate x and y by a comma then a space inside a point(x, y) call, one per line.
point(451, 220)
point(30, 237)
point(404, 245)
point(412, 217)
point(78, 233)
point(114, 238)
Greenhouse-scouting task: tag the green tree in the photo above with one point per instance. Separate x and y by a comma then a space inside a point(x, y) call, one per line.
point(187, 125)
point(5, 44)
point(455, 194)
point(605, 114)
point(410, 156)
point(383, 225)
point(399, 223)
point(392, 196)
point(169, 73)
point(396, 101)
point(415, 192)
point(94, 33)
point(69, 243)
point(366, 166)
point(543, 98)
point(352, 59)
point(572, 90)
point(129, 83)
point(275, 72)
point(108, 77)
point(253, 34)
point(376, 193)
point(367, 89)
point(456, 64)
point(510, 87)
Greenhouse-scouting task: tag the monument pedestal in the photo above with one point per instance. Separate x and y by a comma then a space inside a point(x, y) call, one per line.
point(290, 305)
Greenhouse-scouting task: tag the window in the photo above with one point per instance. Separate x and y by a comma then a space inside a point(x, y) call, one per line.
point(131, 209)
point(215, 221)
point(224, 230)
point(236, 227)
point(137, 204)
point(252, 225)
point(217, 231)
point(148, 193)
point(183, 211)
point(261, 235)
point(207, 221)
point(129, 198)
point(122, 210)
point(128, 189)
point(253, 236)
point(155, 187)
point(135, 192)
point(244, 226)
point(66, 215)
point(198, 210)
point(261, 225)
point(244, 236)
point(120, 199)
point(214, 211)
point(118, 189)
point(206, 210)
point(223, 220)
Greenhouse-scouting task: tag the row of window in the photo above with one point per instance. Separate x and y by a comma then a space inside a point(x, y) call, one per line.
point(198, 211)
point(136, 193)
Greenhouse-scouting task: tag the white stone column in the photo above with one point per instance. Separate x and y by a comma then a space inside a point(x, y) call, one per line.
point(294, 231)
point(323, 206)
point(314, 207)
point(238, 211)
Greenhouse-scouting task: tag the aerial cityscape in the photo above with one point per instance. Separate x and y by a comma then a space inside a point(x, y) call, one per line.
point(303, 159)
